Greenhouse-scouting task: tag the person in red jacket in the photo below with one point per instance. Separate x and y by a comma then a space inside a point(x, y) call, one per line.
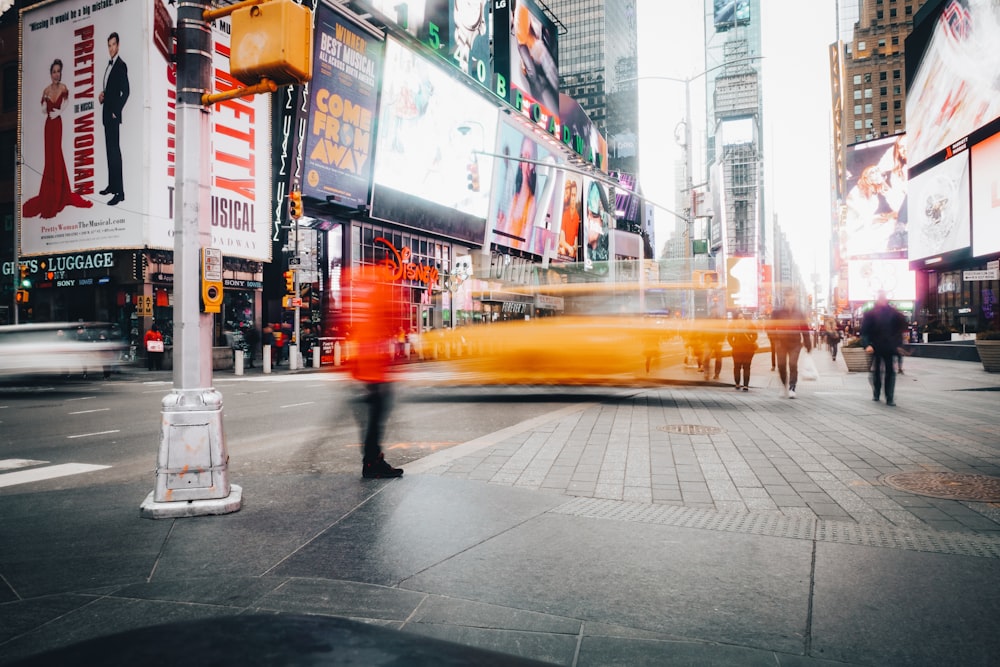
point(153, 342)
point(374, 322)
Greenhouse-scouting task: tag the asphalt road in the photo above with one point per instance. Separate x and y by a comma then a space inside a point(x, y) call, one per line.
point(273, 424)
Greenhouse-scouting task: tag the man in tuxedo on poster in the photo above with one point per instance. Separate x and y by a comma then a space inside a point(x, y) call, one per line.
point(112, 98)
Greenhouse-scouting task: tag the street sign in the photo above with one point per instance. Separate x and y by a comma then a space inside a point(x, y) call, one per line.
point(294, 261)
point(988, 274)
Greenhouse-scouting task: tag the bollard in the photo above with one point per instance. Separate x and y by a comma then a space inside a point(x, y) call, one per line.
point(293, 357)
point(316, 355)
point(267, 359)
point(238, 362)
point(336, 353)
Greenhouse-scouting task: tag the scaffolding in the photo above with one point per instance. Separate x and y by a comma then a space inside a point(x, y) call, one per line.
point(742, 185)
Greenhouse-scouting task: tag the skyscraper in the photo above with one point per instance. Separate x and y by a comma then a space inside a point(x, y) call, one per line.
point(597, 68)
point(735, 124)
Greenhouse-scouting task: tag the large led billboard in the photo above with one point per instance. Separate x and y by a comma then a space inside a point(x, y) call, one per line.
point(534, 54)
point(951, 69)
point(939, 208)
point(597, 218)
point(569, 246)
point(741, 282)
point(580, 133)
point(875, 223)
point(459, 31)
point(428, 172)
point(98, 136)
point(523, 189)
point(347, 64)
point(986, 196)
point(867, 277)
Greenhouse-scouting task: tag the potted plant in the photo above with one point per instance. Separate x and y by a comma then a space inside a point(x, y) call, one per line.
point(988, 347)
point(854, 355)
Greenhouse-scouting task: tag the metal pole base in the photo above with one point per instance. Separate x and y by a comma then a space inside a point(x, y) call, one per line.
point(150, 509)
point(192, 467)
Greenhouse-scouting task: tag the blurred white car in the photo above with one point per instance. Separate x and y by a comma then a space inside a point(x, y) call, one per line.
point(58, 348)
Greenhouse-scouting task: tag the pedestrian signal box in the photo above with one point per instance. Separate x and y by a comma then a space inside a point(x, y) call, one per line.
point(211, 280)
point(273, 40)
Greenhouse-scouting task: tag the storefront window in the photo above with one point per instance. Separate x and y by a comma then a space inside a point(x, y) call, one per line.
point(424, 301)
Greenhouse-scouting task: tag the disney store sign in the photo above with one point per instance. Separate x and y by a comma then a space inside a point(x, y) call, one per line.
point(404, 269)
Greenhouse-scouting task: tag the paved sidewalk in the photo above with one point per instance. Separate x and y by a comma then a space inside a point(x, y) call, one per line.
point(664, 525)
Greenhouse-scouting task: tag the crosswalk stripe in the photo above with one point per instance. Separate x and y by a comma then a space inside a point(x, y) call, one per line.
point(13, 464)
point(48, 472)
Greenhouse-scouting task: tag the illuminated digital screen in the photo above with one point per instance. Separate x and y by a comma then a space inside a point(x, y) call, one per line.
point(875, 224)
point(428, 173)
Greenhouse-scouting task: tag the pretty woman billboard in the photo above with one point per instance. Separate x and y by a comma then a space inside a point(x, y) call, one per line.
point(98, 135)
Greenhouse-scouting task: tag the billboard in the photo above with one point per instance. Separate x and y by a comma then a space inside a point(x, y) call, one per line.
point(569, 248)
point(523, 191)
point(427, 173)
point(986, 196)
point(460, 31)
point(876, 209)
point(98, 136)
point(939, 208)
point(596, 225)
point(951, 66)
point(581, 134)
point(426, 20)
point(866, 277)
point(533, 54)
point(741, 282)
point(347, 63)
point(729, 13)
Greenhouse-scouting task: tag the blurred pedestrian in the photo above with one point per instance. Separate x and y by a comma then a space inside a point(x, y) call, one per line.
point(769, 332)
point(375, 322)
point(743, 339)
point(790, 332)
point(832, 338)
point(252, 341)
point(712, 349)
point(881, 331)
point(153, 342)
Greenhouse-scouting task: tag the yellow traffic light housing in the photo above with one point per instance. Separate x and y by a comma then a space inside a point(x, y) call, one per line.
point(272, 40)
point(294, 204)
point(21, 296)
point(289, 282)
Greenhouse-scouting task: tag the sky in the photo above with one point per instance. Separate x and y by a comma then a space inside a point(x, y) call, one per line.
point(797, 125)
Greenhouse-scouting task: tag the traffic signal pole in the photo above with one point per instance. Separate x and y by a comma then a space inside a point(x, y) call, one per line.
point(192, 465)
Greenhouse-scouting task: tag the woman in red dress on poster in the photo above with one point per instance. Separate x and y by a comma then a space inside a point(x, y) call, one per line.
point(55, 193)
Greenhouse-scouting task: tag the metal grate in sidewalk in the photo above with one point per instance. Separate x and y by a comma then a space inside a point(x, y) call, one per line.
point(776, 525)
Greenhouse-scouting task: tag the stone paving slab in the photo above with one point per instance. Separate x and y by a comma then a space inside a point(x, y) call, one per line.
point(820, 456)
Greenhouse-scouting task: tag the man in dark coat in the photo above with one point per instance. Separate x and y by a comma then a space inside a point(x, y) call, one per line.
point(112, 98)
point(789, 332)
point(882, 329)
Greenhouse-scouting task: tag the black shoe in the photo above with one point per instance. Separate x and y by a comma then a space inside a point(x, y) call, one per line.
point(117, 199)
point(875, 398)
point(106, 191)
point(891, 403)
point(379, 469)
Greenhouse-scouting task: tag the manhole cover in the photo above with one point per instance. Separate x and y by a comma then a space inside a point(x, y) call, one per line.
point(691, 429)
point(950, 485)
